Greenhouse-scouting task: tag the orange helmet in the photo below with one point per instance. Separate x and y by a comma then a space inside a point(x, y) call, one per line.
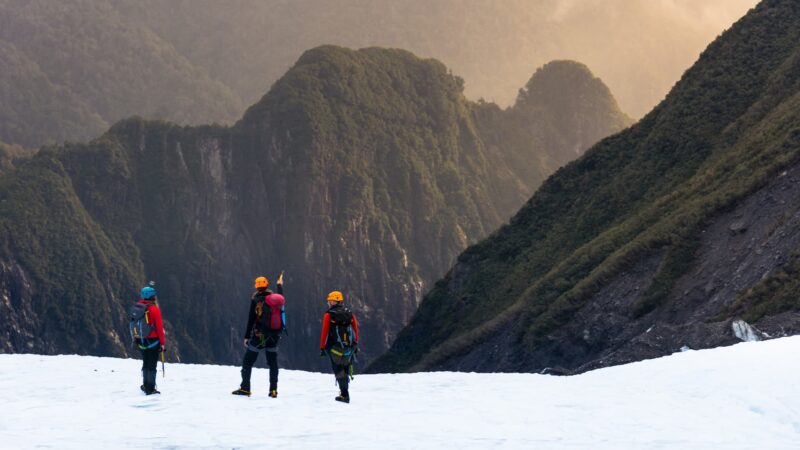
point(262, 282)
point(335, 296)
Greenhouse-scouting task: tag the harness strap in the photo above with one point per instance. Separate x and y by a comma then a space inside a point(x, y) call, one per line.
point(145, 347)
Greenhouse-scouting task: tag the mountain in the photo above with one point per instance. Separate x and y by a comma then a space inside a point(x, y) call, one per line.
point(73, 68)
point(684, 400)
point(563, 109)
point(680, 231)
point(363, 171)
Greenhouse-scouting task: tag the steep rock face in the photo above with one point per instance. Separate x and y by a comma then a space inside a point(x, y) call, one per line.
point(15, 305)
point(362, 171)
point(60, 272)
point(662, 236)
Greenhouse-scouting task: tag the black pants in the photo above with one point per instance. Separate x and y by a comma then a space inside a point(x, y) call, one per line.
point(270, 348)
point(150, 367)
point(342, 374)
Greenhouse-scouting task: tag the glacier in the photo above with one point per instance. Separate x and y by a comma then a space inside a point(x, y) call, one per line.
point(740, 397)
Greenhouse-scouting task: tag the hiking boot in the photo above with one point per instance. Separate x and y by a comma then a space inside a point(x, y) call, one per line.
point(345, 398)
point(273, 393)
point(148, 391)
point(241, 392)
point(149, 385)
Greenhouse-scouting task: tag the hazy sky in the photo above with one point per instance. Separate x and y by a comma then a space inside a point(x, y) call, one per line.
point(639, 48)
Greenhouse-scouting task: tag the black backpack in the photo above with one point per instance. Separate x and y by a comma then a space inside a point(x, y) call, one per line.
point(341, 331)
point(137, 322)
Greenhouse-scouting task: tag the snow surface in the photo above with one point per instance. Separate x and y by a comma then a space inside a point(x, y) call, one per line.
point(740, 397)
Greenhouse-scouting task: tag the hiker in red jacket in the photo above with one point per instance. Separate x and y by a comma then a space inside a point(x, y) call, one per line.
point(265, 322)
point(147, 329)
point(339, 340)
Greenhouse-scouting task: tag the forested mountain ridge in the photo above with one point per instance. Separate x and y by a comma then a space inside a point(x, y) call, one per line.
point(667, 234)
point(363, 171)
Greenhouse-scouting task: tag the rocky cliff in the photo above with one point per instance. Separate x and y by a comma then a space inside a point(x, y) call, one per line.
point(362, 171)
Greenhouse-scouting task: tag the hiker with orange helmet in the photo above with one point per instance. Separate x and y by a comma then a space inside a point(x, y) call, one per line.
point(339, 341)
point(265, 321)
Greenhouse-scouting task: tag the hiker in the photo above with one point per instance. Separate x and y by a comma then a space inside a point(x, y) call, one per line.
point(339, 340)
point(147, 330)
point(265, 322)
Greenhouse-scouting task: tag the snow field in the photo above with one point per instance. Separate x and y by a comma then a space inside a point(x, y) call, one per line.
point(742, 397)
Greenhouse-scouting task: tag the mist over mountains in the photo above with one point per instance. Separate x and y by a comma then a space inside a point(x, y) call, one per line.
point(71, 69)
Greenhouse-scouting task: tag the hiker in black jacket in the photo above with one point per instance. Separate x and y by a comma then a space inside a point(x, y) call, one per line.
point(266, 319)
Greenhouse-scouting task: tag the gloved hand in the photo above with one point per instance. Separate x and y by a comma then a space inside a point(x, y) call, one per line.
point(322, 353)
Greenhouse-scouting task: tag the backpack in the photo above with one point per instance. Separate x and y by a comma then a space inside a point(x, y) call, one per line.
point(341, 331)
point(138, 323)
point(269, 317)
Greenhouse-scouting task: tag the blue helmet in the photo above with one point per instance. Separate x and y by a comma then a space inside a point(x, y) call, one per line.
point(148, 292)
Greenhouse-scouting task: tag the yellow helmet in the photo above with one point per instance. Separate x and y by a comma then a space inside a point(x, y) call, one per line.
point(335, 296)
point(262, 282)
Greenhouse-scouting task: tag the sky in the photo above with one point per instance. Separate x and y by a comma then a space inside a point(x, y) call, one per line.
point(640, 48)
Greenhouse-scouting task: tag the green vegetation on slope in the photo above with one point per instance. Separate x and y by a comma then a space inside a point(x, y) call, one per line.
point(729, 125)
point(76, 266)
point(774, 295)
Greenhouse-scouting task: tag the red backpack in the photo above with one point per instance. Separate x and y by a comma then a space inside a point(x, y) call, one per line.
point(269, 313)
